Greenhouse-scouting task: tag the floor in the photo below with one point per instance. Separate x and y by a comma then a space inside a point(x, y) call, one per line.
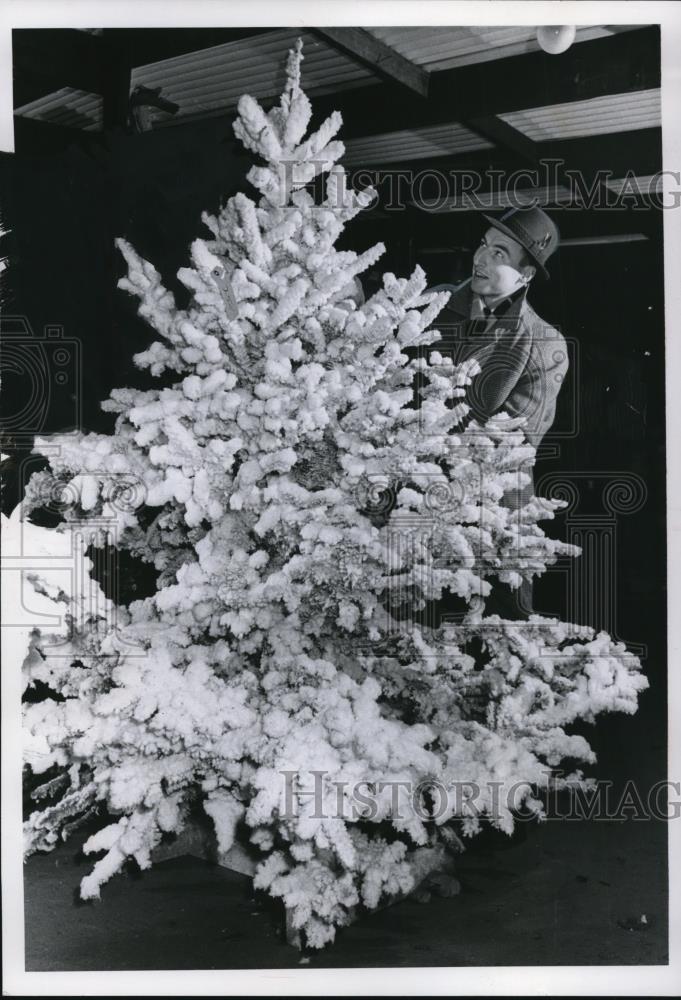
point(565, 892)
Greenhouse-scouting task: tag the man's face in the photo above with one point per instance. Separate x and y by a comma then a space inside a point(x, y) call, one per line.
point(496, 265)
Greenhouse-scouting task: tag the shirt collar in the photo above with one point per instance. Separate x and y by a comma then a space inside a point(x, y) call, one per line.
point(509, 306)
point(461, 298)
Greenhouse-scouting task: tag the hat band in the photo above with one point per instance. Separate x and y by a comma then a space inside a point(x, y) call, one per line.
point(523, 233)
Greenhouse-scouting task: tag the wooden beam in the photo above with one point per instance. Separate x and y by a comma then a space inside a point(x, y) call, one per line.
point(365, 48)
point(116, 79)
point(503, 135)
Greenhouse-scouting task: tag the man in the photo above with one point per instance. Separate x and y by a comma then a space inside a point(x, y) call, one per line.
point(523, 361)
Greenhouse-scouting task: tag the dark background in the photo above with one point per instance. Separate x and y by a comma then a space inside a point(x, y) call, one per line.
point(68, 193)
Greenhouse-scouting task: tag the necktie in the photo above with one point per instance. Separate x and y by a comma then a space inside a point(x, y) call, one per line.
point(483, 322)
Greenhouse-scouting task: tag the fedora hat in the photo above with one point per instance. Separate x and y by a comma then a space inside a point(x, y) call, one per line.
point(532, 228)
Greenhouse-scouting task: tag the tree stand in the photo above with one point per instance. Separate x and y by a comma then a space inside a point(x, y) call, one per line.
point(432, 866)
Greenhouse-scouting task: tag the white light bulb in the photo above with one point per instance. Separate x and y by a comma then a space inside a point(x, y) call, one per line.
point(556, 38)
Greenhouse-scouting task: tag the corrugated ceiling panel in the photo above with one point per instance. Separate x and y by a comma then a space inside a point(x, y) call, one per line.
point(413, 144)
point(68, 107)
point(447, 46)
point(211, 81)
point(598, 115)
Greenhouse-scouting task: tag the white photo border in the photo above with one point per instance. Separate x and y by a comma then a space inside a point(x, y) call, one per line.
point(572, 980)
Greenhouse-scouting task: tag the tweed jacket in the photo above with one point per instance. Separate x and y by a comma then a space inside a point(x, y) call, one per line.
point(523, 360)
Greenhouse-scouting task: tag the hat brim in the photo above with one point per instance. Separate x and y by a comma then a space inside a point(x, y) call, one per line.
point(541, 269)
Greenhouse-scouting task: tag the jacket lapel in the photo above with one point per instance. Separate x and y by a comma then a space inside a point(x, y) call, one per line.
point(461, 301)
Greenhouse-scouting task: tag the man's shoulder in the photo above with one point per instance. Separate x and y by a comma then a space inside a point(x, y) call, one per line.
point(548, 343)
point(541, 330)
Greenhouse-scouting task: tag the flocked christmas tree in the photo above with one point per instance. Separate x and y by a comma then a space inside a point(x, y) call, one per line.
point(280, 665)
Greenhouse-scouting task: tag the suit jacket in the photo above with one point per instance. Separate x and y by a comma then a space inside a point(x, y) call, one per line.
point(523, 360)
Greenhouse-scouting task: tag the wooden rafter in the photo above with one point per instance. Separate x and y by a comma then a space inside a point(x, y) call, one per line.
point(361, 45)
point(503, 135)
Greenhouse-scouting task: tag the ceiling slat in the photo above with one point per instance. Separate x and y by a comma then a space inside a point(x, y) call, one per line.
point(413, 144)
point(597, 115)
point(74, 108)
